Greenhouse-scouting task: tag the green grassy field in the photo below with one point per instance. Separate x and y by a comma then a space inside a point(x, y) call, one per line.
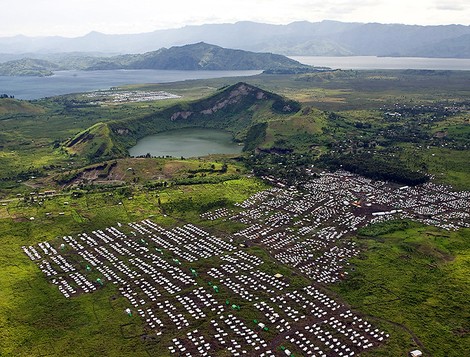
point(415, 276)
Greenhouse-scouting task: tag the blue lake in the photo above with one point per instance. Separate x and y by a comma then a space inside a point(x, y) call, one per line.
point(65, 82)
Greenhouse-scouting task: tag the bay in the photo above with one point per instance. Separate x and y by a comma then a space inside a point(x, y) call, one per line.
point(65, 82)
point(187, 142)
point(372, 62)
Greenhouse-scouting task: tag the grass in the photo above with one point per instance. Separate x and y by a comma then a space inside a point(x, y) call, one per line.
point(13, 106)
point(417, 277)
point(35, 319)
point(189, 202)
point(449, 166)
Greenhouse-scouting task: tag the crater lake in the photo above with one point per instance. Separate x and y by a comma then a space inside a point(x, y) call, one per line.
point(187, 142)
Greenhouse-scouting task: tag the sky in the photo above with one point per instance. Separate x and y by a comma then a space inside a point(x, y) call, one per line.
point(74, 18)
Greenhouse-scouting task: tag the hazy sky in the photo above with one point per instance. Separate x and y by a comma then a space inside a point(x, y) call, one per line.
point(77, 17)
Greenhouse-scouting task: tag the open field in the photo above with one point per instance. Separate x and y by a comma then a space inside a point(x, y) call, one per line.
point(417, 277)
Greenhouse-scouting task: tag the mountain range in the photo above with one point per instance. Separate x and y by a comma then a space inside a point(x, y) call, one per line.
point(326, 38)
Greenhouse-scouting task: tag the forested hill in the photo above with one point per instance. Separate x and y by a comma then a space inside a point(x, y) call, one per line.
point(28, 67)
point(198, 56)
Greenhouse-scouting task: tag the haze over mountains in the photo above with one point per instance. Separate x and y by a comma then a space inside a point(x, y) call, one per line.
point(326, 38)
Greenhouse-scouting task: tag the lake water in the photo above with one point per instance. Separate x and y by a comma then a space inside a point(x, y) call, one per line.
point(65, 82)
point(188, 142)
point(372, 62)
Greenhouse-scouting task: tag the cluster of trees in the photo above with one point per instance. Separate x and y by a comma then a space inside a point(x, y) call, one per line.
point(282, 105)
point(289, 167)
point(197, 180)
point(212, 169)
point(152, 186)
point(22, 175)
point(255, 136)
point(375, 167)
point(3, 96)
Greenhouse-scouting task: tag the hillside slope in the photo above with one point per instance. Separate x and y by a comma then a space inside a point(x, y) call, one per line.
point(235, 108)
point(14, 107)
point(28, 67)
point(95, 143)
point(199, 56)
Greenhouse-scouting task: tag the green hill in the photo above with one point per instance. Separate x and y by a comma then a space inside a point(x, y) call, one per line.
point(203, 56)
point(235, 108)
point(96, 142)
point(15, 106)
point(28, 67)
point(198, 56)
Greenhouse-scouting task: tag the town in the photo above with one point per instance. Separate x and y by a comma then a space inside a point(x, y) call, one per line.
point(125, 96)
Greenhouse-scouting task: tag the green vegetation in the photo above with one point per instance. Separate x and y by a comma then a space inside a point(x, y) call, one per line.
point(255, 136)
point(28, 67)
point(416, 117)
point(95, 142)
point(415, 276)
point(384, 228)
point(35, 317)
point(12, 106)
point(397, 125)
point(372, 166)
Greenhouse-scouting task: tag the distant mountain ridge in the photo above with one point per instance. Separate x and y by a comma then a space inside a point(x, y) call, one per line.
point(198, 56)
point(326, 38)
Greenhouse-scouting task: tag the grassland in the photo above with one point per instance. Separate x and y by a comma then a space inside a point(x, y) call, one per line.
point(35, 318)
point(415, 276)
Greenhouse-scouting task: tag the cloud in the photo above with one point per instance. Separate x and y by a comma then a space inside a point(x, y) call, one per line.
point(451, 5)
point(78, 17)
